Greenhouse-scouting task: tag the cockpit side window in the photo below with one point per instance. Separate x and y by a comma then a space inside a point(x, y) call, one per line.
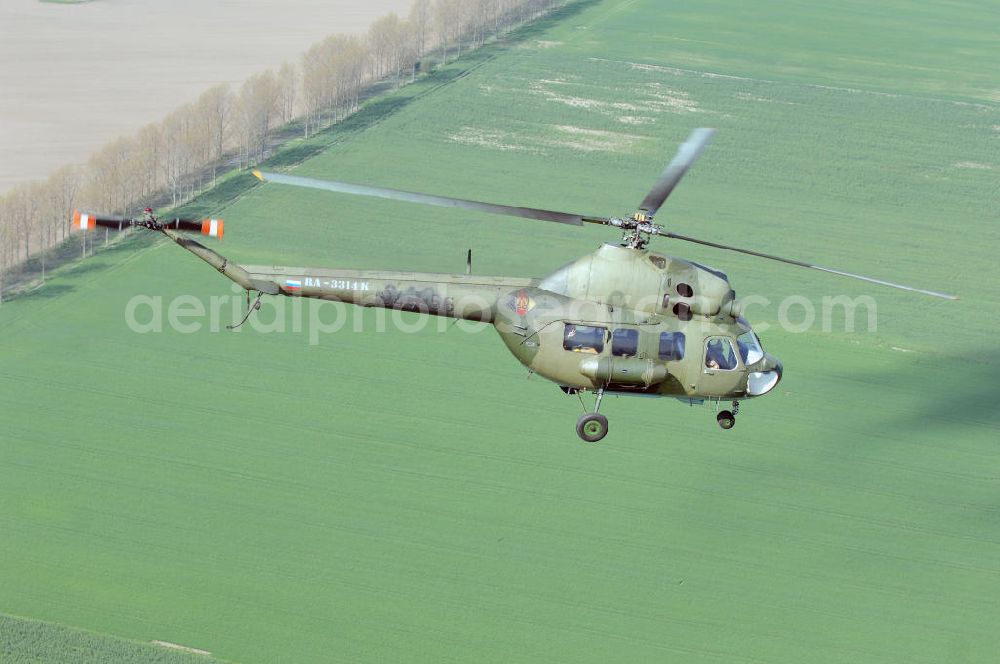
point(750, 349)
point(719, 354)
point(584, 338)
point(672, 346)
point(625, 342)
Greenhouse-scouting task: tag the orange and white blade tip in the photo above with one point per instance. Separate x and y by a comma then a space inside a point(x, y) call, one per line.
point(83, 221)
point(212, 227)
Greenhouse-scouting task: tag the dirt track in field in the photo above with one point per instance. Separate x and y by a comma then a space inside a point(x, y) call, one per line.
point(77, 75)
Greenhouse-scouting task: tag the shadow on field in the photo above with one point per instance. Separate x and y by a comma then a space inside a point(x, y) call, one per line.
point(49, 291)
point(956, 392)
point(128, 244)
point(86, 267)
point(557, 16)
point(53, 289)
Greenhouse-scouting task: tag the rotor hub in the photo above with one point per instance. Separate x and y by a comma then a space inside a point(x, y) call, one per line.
point(636, 230)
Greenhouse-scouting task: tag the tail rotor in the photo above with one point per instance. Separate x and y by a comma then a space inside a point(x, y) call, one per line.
point(87, 221)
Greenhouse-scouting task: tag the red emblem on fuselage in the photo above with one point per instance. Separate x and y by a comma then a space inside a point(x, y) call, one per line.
point(522, 303)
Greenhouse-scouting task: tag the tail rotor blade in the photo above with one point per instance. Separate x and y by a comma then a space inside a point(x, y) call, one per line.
point(87, 221)
point(212, 227)
point(209, 227)
point(83, 221)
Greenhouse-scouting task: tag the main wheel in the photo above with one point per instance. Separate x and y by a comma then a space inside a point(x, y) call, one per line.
point(591, 427)
point(726, 419)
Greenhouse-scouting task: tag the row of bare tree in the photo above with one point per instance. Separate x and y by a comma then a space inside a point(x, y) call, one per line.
point(169, 161)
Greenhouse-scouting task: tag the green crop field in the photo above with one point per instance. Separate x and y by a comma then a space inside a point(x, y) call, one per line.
point(33, 642)
point(411, 495)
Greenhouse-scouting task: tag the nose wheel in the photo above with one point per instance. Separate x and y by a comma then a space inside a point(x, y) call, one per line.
point(592, 427)
point(727, 418)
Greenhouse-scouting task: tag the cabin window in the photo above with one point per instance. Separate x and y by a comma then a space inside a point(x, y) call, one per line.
point(750, 349)
point(672, 346)
point(625, 342)
point(719, 354)
point(584, 338)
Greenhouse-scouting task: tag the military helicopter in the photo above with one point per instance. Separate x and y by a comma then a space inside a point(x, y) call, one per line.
point(623, 320)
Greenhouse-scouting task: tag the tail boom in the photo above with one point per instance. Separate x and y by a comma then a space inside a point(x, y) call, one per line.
point(467, 297)
point(229, 269)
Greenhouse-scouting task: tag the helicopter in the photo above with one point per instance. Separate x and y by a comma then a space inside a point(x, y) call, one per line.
point(623, 320)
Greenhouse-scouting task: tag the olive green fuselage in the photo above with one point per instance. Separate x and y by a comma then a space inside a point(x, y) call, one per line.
point(620, 319)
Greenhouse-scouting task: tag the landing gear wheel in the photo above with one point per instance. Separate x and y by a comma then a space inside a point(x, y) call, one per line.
point(726, 419)
point(592, 427)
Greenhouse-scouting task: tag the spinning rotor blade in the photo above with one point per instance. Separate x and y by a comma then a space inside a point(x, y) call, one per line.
point(86, 221)
point(808, 265)
point(428, 199)
point(687, 155)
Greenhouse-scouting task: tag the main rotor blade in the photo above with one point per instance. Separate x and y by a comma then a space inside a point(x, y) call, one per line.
point(428, 199)
point(790, 261)
point(687, 155)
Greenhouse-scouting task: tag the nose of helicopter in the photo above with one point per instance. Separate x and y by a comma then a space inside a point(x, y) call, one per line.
point(778, 367)
point(767, 376)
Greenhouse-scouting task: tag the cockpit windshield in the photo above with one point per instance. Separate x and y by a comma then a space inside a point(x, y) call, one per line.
point(750, 349)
